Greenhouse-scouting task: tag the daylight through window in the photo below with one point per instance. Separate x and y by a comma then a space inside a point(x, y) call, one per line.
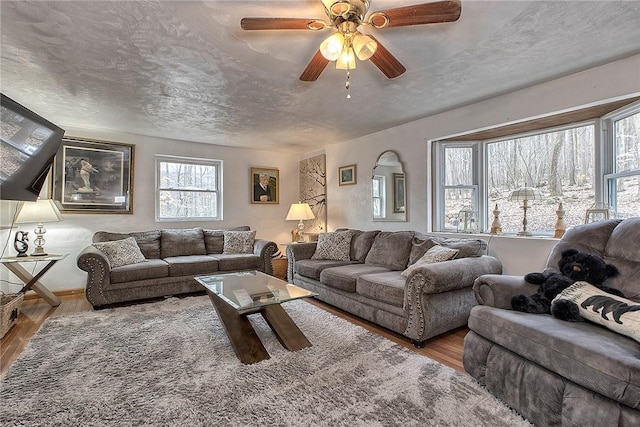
point(188, 189)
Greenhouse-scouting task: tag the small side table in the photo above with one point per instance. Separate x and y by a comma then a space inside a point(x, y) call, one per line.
point(32, 282)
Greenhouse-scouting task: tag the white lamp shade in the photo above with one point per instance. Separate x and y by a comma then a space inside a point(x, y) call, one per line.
point(42, 210)
point(364, 46)
point(331, 47)
point(299, 211)
point(525, 193)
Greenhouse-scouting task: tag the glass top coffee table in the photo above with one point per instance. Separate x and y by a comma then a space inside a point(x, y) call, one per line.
point(236, 295)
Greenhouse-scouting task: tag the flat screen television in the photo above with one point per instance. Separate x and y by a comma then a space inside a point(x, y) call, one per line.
point(28, 144)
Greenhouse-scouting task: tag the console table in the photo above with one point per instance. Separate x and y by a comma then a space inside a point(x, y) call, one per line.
point(30, 281)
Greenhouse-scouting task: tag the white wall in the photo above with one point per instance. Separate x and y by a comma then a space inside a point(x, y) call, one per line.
point(350, 206)
point(74, 233)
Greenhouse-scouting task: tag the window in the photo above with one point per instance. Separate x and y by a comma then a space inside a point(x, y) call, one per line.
point(188, 189)
point(578, 165)
point(623, 184)
point(378, 196)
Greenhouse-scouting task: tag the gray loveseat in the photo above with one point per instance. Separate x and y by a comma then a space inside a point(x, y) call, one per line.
point(558, 373)
point(433, 299)
point(173, 258)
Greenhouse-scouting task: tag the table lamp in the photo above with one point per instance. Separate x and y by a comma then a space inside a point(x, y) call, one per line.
point(42, 210)
point(524, 195)
point(299, 212)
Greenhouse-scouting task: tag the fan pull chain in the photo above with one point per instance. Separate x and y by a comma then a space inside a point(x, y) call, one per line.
point(347, 85)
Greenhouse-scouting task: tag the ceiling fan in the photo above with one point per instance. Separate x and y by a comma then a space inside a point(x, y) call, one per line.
point(348, 43)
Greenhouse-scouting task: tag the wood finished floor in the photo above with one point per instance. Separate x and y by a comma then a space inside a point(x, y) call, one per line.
point(446, 348)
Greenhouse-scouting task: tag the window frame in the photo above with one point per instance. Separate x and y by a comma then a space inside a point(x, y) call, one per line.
point(218, 164)
point(380, 179)
point(604, 164)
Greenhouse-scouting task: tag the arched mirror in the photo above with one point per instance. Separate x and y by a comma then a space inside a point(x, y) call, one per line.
point(389, 188)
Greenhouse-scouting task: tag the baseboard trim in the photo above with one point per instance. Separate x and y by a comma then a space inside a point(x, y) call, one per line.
point(61, 293)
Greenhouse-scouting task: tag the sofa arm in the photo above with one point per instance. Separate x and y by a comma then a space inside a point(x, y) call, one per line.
point(265, 249)
point(96, 264)
point(440, 295)
point(297, 252)
point(496, 290)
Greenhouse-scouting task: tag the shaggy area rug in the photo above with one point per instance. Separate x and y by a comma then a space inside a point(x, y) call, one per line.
point(170, 363)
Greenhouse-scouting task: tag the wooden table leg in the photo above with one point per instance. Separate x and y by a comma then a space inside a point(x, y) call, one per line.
point(288, 333)
point(243, 337)
point(32, 282)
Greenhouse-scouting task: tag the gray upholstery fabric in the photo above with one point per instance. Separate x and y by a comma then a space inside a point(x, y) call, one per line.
point(179, 242)
point(361, 242)
point(191, 265)
point(234, 262)
point(386, 287)
point(419, 247)
point(313, 268)
point(154, 277)
point(467, 247)
point(149, 269)
point(344, 277)
point(555, 372)
point(585, 353)
point(391, 249)
point(148, 241)
point(214, 239)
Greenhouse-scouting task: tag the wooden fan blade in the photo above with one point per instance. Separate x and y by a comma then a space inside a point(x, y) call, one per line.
point(386, 62)
point(427, 13)
point(275, 23)
point(315, 68)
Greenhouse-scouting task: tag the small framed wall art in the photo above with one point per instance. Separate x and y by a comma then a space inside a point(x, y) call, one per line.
point(94, 176)
point(265, 185)
point(347, 175)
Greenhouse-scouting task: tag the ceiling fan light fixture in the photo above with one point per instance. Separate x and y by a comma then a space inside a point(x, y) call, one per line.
point(364, 46)
point(332, 46)
point(378, 20)
point(347, 59)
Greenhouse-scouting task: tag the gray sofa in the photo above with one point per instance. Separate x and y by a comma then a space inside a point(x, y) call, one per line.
point(173, 258)
point(558, 373)
point(433, 299)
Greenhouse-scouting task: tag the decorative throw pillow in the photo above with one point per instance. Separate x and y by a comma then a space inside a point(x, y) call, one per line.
point(619, 314)
point(437, 253)
point(335, 246)
point(182, 242)
point(390, 249)
point(419, 247)
point(121, 252)
point(238, 242)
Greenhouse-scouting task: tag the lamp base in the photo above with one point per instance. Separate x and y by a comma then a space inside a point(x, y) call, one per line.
point(39, 251)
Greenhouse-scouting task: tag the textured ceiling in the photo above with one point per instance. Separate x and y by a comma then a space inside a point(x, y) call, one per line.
point(186, 70)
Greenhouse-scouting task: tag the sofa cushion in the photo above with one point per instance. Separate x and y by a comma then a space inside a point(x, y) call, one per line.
point(191, 265)
point(182, 242)
point(148, 241)
point(587, 354)
point(384, 287)
point(214, 239)
point(121, 252)
point(345, 277)
point(313, 267)
point(419, 247)
point(334, 246)
point(150, 269)
point(238, 242)
point(233, 262)
point(390, 249)
point(361, 243)
point(436, 254)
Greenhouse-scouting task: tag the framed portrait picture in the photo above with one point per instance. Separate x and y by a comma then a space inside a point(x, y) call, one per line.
point(347, 175)
point(398, 193)
point(265, 185)
point(94, 176)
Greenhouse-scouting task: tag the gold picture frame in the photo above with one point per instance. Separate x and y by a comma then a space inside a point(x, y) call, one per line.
point(264, 185)
point(347, 175)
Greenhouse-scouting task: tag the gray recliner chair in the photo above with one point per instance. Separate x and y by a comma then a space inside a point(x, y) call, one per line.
point(551, 371)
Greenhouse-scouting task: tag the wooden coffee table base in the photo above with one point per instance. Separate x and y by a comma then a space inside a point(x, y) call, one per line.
point(243, 337)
